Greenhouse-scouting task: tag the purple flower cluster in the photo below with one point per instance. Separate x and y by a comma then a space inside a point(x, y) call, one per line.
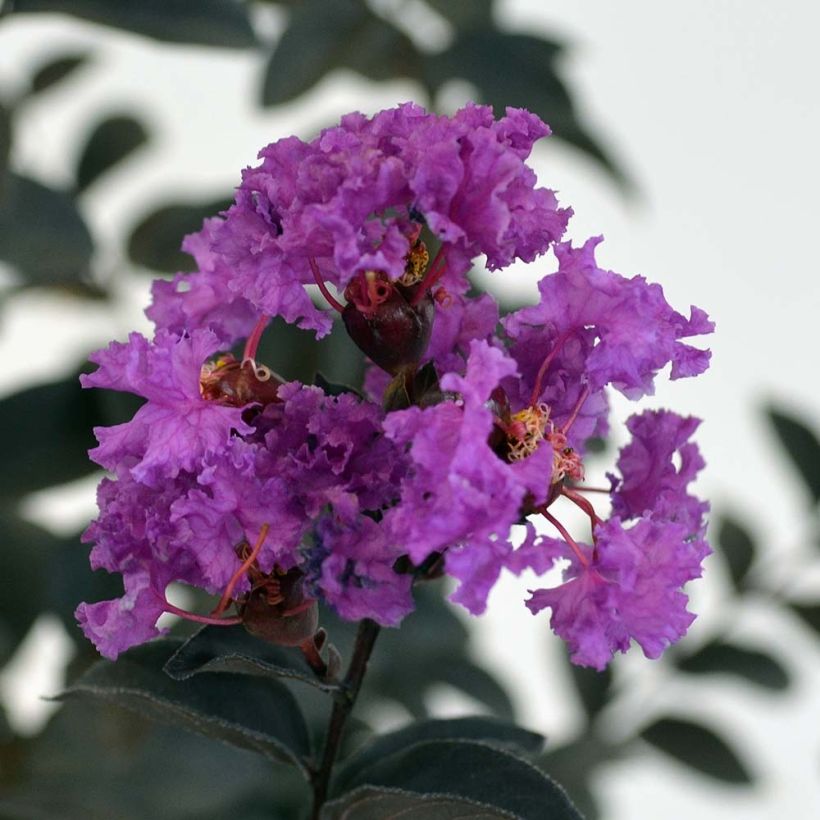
point(276, 495)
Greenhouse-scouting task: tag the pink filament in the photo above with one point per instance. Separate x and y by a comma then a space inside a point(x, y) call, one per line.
point(579, 553)
point(252, 342)
point(317, 277)
point(559, 343)
point(225, 600)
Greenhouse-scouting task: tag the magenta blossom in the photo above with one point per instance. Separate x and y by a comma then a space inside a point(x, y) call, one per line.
point(273, 496)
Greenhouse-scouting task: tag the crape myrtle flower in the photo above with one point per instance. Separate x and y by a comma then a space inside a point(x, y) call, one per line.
point(275, 496)
point(345, 209)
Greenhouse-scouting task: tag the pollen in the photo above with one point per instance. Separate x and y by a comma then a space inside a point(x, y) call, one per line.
point(526, 431)
point(417, 260)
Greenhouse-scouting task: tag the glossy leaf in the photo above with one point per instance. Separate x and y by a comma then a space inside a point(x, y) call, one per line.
point(473, 771)
point(155, 242)
point(205, 22)
point(518, 70)
point(110, 142)
point(493, 731)
point(253, 713)
point(369, 803)
point(56, 70)
point(802, 445)
point(234, 649)
point(697, 747)
point(737, 546)
point(42, 233)
point(322, 36)
point(752, 665)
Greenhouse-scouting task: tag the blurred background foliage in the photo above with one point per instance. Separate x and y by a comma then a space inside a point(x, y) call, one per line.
point(92, 761)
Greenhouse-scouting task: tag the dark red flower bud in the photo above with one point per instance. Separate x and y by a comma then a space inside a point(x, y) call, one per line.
point(229, 381)
point(384, 325)
point(277, 610)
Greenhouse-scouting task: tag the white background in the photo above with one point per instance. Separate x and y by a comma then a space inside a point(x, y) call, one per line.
point(712, 107)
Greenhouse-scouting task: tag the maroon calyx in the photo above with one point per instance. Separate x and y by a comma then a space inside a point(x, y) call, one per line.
point(383, 323)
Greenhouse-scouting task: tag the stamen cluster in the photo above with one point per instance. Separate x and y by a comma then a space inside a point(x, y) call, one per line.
point(275, 495)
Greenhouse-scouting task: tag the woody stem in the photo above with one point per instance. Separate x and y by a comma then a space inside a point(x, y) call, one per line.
point(342, 707)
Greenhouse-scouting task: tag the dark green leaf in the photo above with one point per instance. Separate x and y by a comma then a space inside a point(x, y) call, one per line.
point(464, 13)
point(204, 22)
point(234, 649)
point(575, 765)
point(474, 681)
point(737, 546)
point(719, 657)
point(109, 143)
point(93, 763)
point(333, 389)
point(52, 424)
point(42, 233)
point(5, 145)
point(592, 686)
point(492, 731)
point(809, 613)
point(56, 70)
point(518, 70)
point(322, 36)
point(155, 242)
point(288, 351)
point(259, 714)
point(26, 553)
point(697, 747)
point(369, 803)
point(473, 771)
point(802, 446)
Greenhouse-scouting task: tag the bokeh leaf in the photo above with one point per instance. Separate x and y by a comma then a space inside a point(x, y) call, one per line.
point(369, 803)
point(492, 731)
point(322, 36)
point(110, 142)
point(575, 764)
point(473, 771)
point(234, 649)
point(52, 424)
point(802, 446)
point(205, 22)
point(737, 546)
point(257, 714)
point(95, 763)
point(719, 657)
point(56, 70)
point(43, 234)
point(592, 687)
point(26, 552)
point(698, 748)
point(472, 680)
point(5, 145)
point(518, 70)
point(464, 13)
point(808, 613)
point(155, 241)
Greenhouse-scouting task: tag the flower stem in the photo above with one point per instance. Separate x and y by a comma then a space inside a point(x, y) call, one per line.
point(342, 707)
